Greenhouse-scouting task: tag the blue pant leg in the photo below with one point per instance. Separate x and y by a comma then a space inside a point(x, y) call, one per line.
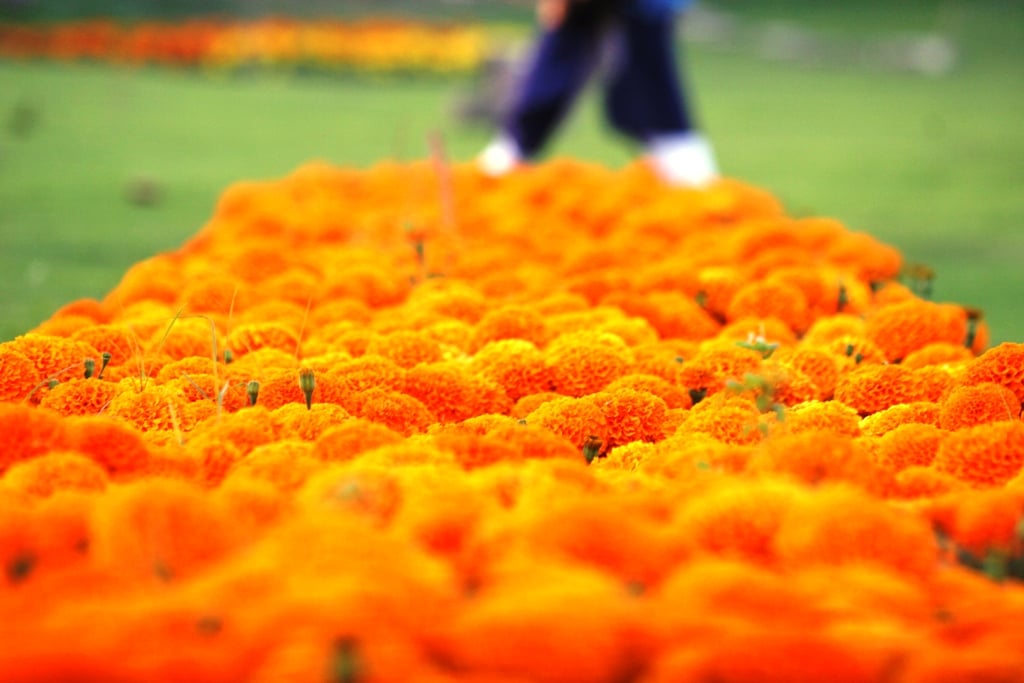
point(563, 60)
point(644, 96)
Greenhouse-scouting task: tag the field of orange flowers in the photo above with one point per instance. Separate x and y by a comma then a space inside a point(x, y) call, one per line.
point(412, 423)
point(379, 45)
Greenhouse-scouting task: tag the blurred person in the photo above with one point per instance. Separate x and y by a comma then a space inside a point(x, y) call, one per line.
point(644, 98)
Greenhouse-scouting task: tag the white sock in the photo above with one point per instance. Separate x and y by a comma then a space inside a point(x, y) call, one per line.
point(683, 159)
point(500, 156)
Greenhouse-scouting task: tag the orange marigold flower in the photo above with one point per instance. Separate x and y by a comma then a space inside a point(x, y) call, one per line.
point(817, 365)
point(575, 419)
point(56, 471)
point(673, 396)
point(407, 348)
point(925, 482)
point(583, 363)
point(771, 330)
point(923, 412)
point(909, 445)
point(935, 382)
point(246, 338)
point(117, 339)
point(393, 409)
point(187, 336)
point(938, 353)
point(160, 529)
point(715, 364)
point(1003, 364)
point(738, 520)
point(367, 372)
point(295, 421)
point(517, 365)
point(80, 397)
point(770, 299)
point(149, 407)
point(986, 455)
point(817, 457)
point(662, 358)
point(352, 437)
point(901, 328)
point(728, 418)
point(824, 331)
point(839, 525)
point(975, 404)
point(287, 464)
point(529, 403)
point(510, 322)
point(452, 394)
point(874, 388)
point(671, 314)
point(29, 432)
point(54, 357)
point(533, 442)
point(718, 286)
point(18, 376)
point(631, 415)
point(988, 520)
point(116, 446)
point(246, 429)
point(831, 416)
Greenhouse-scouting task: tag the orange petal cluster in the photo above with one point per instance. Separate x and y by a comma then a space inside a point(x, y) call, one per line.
point(388, 424)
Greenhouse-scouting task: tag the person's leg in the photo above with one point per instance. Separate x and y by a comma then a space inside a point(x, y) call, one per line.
point(645, 99)
point(562, 61)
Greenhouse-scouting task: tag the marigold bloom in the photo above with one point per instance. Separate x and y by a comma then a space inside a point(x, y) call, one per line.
point(831, 416)
point(715, 364)
point(576, 419)
point(582, 363)
point(160, 529)
point(990, 454)
point(80, 397)
point(368, 372)
point(909, 445)
point(901, 328)
point(1003, 364)
point(988, 520)
point(395, 410)
point(117, 339)
point(673, 396)
point(938, 353)
point(511, 322)
point(295, 421)
point(818, 457)
point(673, 315)
point(738, 520)
point(718, 286)
point(728, 418)
point(771, 299)
point(406, 348)
point(56, 471)
point(818, 366)
point(631, 415)
point(353, 436)
point(18, 375)
point(975, 404)
point(874, 388)
point(286, 464)
point(246, 338)
point(451, 393)
point(54, 357)
point(529, 403)
point(29, 432)
point(149, 406)
point(837, 526)
point(515, 364)
point(923, 412)
point(923, 482)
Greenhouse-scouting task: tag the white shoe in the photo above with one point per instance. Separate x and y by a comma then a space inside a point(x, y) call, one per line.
point(500, 156)
point(684, 159)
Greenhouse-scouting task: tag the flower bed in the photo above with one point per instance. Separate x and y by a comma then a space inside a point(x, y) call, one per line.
point(380, 45)
point(413, 423)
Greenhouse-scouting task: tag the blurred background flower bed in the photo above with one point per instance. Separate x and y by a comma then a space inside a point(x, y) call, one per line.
point(411, 422)
point(375, 45)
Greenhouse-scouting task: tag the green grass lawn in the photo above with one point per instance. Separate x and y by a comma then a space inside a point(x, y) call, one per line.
point(932, 165)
